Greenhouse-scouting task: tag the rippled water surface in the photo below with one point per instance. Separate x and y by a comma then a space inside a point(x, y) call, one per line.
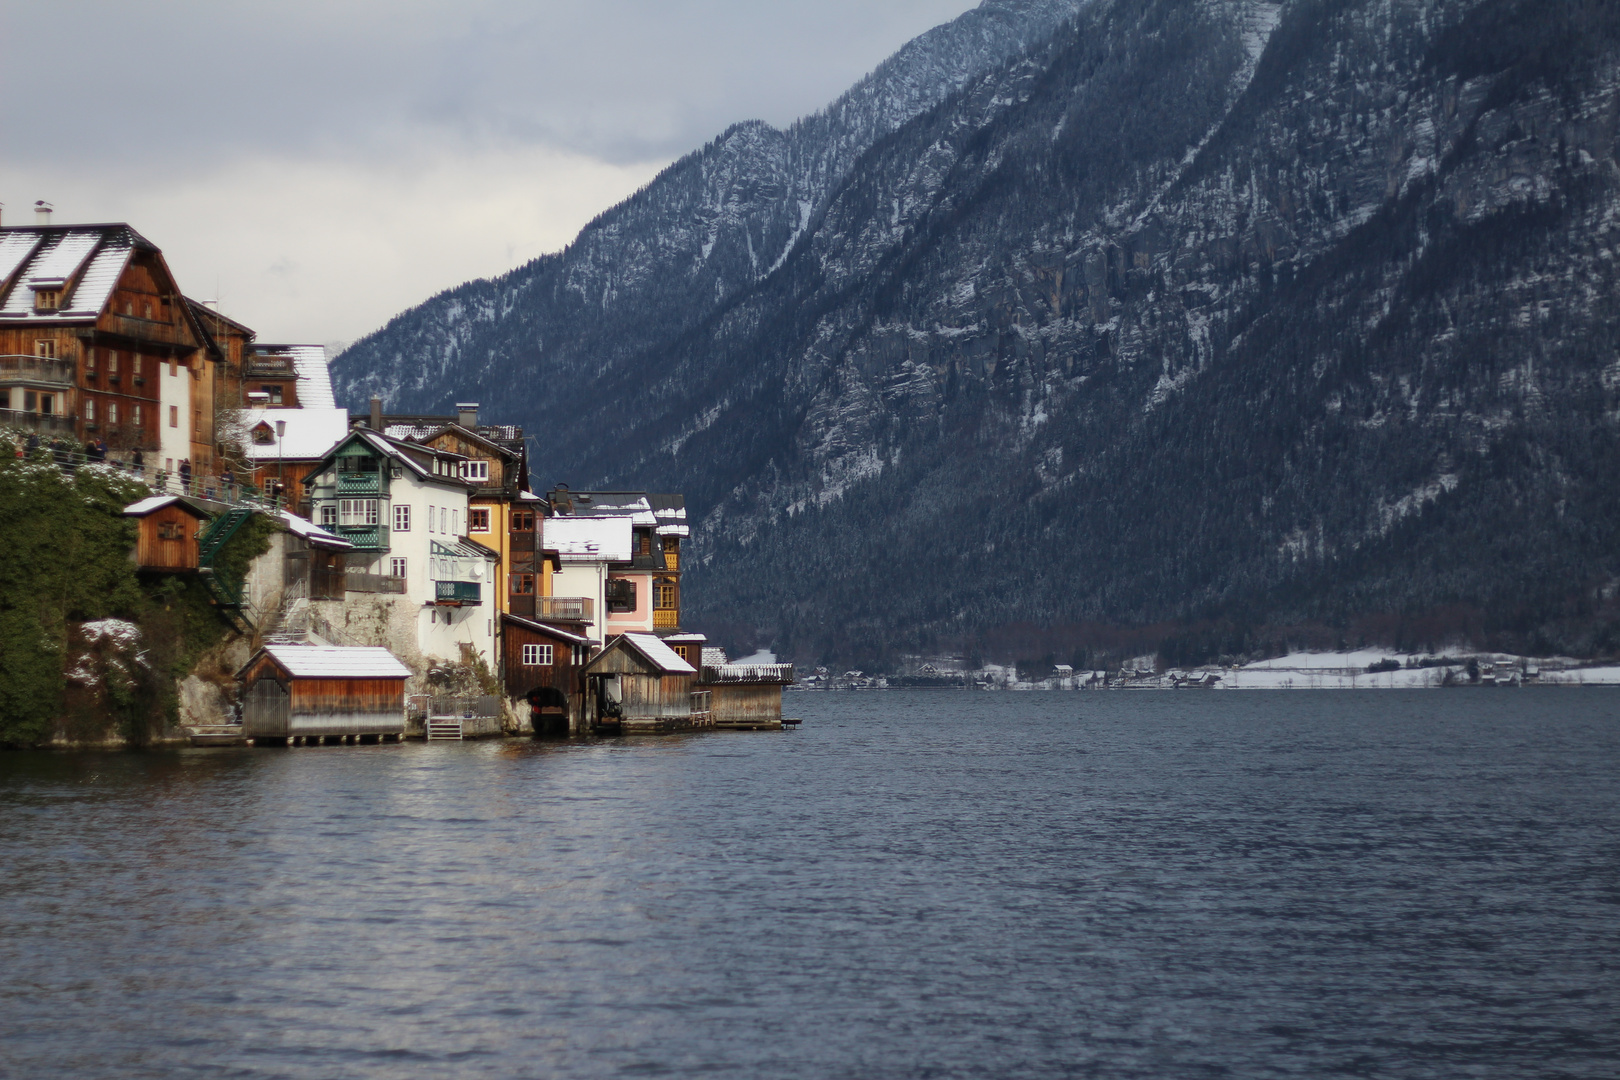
point(924, 884)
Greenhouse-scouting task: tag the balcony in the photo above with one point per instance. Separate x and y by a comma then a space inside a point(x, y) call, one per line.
point(44, 423)
point(666, 618)
point(130, 326)
point(373, 583)
point(363, 537)
point(359, 483)
point(565, 608)
point(38, 370)
point(457, 593)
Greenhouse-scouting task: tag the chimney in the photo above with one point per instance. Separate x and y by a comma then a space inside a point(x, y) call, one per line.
point(467, 414)
point(42, 212)
point(376, 413)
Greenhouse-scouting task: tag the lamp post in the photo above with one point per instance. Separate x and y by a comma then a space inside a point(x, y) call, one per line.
point(281, 429)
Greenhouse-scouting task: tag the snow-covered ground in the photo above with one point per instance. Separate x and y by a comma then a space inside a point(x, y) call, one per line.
point(1348, 671)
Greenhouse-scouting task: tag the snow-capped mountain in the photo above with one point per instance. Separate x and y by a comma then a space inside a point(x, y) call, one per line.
point(1228, 318)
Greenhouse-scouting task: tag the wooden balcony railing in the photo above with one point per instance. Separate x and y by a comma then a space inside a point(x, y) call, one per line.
point(666, 618)
point(41, 370)
point(565, 608)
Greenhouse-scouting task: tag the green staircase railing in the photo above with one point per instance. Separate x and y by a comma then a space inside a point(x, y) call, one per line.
point(227, 594)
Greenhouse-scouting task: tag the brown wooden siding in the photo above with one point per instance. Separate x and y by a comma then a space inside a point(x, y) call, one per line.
point(176, 551)
point(743, 704)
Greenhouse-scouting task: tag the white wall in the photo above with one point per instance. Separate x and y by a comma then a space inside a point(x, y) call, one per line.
point(586, 579)
point(174, 443)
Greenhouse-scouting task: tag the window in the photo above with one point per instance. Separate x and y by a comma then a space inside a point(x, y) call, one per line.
point(174, 367)
point(444, 519)
point(328, 512)
point(432, 519)
point(274, 392)
point(402, 522)
point(455, 523)
point(174, 416)
point(478, 519)
point(523, 521)
point(666, 596)
point(196, 421)
point(522, 584)
point(477, 471)
point(263, 435)
point(112, 361)
point(396, 567)
point(643, 544)
point(47, 349)
point(89, 410)
point(537, 655)
point(146, 309)
point(47, 299)
point(357, 511)
point(139, 417)
point(621, 595)
point(170, 530)
point(112, 412)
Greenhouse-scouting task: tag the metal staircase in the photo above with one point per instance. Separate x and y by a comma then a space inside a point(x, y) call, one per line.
point(228, 595)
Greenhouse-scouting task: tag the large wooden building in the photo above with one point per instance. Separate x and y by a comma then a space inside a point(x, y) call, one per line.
point(306, 693)
point(90, 321)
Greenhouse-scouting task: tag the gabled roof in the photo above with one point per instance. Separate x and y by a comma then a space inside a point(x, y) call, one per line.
point(394, 450)
point(466, 433)
point(543, 628)
point(657, 654)
point(334, 662)
point(158, 502)
point(87, 260)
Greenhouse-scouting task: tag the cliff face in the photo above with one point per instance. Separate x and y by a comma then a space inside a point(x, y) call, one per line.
point(1224, 313)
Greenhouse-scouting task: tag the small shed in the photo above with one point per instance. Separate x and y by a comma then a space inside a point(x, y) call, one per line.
point(169, 527)
point(745, 696)
point(306, 693)
point(638, 685)
point(541, 665)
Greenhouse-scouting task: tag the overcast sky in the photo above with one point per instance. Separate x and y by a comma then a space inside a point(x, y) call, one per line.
point(319, 165)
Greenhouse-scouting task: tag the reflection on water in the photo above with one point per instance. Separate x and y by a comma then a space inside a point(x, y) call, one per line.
point(915, 884)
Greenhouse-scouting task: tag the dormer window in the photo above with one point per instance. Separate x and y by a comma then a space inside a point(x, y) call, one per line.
point(47, 299)
point(263, 435)
point(476, 471)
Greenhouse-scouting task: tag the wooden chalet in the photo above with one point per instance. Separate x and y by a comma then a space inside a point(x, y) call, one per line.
point(637, 685)
point(745, 696)
point(89, 317)
point(169, 527)
point(541, 666)
point(307, 693)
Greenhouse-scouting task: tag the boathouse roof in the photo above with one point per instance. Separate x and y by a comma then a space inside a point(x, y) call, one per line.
point(336, 662)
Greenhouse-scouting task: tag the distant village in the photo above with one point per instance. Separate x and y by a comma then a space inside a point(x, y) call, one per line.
point(416, 583)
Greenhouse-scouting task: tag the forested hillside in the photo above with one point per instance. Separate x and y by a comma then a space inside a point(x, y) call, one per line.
point(1215, 326)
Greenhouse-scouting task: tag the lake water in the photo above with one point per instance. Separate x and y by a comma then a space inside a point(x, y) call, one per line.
point(922, 884)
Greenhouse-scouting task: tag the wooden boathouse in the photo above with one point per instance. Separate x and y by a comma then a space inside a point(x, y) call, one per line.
point(744, 696)
point(638, 686)
point(169, 527)
point(541, 666)
point(294, 694)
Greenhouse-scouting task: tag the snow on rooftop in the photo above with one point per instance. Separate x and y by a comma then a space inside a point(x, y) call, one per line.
point(309, 434)
point(100, 278)
point(56, 258)
point(588, 539)
point(15, 248)
point(156, 502)
point(311, 531)
point(337, 662)
point(660, 655)
point(314, 376)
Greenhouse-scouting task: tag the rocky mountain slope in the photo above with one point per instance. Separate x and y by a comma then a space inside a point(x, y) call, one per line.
point(1207, 325)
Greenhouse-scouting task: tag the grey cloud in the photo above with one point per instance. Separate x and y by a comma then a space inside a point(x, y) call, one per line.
point(619, 80)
